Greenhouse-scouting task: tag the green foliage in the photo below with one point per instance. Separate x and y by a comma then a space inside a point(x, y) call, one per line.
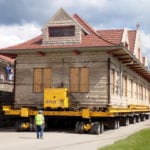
point(137, 141)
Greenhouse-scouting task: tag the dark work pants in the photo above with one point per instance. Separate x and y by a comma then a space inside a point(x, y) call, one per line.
point(39, 131)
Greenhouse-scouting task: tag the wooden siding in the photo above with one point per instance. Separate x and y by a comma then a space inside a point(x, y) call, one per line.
point(60, 65)
point(133, 89)
point(37, 80)
point(97, 78)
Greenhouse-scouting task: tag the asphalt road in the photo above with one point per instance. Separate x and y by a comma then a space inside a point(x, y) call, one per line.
point(11, 140)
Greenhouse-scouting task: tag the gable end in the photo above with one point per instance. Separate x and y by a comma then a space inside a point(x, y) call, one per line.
point(62, 29)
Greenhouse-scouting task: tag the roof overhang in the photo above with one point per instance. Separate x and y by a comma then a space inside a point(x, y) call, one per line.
point(128, 59)
point(15, 52)
point(119, 52)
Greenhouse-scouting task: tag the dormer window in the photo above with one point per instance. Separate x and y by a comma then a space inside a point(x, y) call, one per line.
point(61, 31)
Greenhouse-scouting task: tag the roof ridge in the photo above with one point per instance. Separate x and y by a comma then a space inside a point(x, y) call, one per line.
point(133, 30)
point(110, 29)
point(76, 16)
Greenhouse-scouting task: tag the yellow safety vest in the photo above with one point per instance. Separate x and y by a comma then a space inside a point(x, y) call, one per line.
point(39, 119)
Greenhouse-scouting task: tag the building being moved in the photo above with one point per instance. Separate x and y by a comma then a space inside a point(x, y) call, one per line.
point(101, 68)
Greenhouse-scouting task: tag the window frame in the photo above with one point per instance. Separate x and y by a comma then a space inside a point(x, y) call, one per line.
point(61, 31)
point(79, 88)
point(42, 84)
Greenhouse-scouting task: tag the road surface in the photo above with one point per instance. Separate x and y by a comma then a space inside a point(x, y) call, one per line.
point(11, 140)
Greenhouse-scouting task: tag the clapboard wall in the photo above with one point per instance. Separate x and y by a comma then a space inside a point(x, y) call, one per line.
point(99, 94)
point(60, 64)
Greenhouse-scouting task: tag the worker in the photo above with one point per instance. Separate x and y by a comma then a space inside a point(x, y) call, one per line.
point(39, 122)
point(8, 69)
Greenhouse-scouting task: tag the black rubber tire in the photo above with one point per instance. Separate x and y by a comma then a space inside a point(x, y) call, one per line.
point(81, 127)
point(97, 128)
point(77, 127)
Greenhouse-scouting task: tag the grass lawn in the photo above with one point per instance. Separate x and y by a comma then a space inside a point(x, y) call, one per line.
point(137, 141)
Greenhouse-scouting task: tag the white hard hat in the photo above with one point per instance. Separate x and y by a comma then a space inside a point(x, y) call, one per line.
point(40, 111)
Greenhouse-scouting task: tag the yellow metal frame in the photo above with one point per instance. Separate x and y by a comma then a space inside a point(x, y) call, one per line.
point(25, 125)
point(84, 113)
point(130, 108)
point(87, 127)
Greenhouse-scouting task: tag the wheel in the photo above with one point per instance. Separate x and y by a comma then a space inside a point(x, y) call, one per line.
point(101, 127)
point(81, 127)
point(142, 118)
point(77, 127)
point(91, 131)
point(125, 121)
point(147, 117)
point(97, 128)
point(133, 120)
point(115, 124)
point(137, 119)
point(18, 126)
point(32, 127)
point(118, 122)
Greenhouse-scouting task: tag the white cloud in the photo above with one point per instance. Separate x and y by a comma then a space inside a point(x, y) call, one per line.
point(145, 39)
point(15, 34)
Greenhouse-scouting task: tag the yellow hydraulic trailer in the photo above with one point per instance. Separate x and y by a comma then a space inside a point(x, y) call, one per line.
point(84, 113)
point(56, 105)
point(112, 117)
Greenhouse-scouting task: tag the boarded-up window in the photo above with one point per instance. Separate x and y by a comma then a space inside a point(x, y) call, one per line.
point(131, 82)
point(149, 95)
point(74, 79)
point(47, 77)
point(79, 79)
point(124, 85)
point(137, 93)
point(41, 79)
point(142, 92)
point(112, 80)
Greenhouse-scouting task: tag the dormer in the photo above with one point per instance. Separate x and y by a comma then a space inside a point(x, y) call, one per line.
point(61, 29)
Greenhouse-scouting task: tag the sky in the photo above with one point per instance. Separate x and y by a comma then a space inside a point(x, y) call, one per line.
point(21, 20)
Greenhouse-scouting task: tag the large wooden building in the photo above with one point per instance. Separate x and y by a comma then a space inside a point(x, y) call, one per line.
point(100, 68)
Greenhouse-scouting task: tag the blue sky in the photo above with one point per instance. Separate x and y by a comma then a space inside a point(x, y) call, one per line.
point(21, 20)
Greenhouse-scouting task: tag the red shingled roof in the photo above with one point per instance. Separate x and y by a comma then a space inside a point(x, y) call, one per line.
point(93, 39)
point(8, 59)
point(84, 24)
point(113, 36)
point(36, 43)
